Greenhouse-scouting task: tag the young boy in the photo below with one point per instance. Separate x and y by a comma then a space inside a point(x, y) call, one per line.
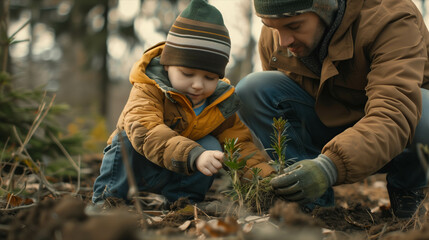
point(179, 114)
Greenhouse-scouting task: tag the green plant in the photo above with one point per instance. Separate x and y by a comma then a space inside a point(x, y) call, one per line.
point(278, 144)
point(231, 161)
point(255, 193)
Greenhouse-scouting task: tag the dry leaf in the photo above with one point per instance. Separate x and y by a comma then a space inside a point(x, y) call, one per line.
point(157, 219)
point(256, 219)
point(16, 201)
point(52, 179)
point(248, 227)
point(185, 225)
point(188, 210)
point(218, 227)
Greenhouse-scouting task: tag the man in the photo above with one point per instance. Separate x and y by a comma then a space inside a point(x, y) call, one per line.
point(351, 78)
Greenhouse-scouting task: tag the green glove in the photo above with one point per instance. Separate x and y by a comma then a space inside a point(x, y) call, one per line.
point(306, 180)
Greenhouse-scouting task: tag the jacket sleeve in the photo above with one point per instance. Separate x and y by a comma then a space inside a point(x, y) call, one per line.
point(234, 128)
point(145, 128)
point(398, 54)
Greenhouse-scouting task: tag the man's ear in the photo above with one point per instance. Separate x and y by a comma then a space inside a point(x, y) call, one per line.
point(166, 68)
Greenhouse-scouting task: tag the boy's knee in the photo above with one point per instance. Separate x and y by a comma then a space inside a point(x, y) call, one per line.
point(209, 142)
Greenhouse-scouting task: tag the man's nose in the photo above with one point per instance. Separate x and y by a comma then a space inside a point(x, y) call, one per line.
point(286, 38)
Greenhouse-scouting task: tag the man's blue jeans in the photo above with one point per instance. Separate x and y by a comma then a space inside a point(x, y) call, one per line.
point(150, 177)
point(270, 94)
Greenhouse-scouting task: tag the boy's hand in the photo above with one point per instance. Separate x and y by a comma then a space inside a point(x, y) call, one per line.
point(209, 162)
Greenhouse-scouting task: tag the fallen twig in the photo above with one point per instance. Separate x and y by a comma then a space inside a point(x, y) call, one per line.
point(19, 207)
point(8, 201)
point(42, 112)
point(379, 234)
point(372, 219)
point(353, 222)
point(73, 163)
point(208, 216)
point(5, 228)
point(133, 192)
point(41, 177)
point(78, 176)
point(10, 185)
point(4, 149)
point(56, 141)
point(416, 216)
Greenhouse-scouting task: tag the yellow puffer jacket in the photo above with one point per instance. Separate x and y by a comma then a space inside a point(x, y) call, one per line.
point(162, 126)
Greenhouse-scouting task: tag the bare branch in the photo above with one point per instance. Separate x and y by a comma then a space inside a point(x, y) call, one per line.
point(56, 141)
point(37, 121)
point(38, 173)
point(78, 176)
point(133, 190)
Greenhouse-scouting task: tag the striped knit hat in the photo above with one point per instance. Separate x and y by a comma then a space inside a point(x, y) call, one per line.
point(198, 39)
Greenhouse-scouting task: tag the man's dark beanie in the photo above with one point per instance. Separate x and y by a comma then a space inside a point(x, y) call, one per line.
point(326, 9)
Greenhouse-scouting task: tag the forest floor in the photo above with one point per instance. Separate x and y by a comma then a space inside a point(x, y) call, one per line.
point(64, 211)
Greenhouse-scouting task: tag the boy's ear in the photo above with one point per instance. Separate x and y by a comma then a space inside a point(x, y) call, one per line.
point(166, 68)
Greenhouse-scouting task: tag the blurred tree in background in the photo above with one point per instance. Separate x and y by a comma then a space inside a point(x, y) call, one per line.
point(83, 51)
point(29, 130)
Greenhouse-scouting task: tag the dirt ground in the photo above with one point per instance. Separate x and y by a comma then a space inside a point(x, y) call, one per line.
point(362, 211)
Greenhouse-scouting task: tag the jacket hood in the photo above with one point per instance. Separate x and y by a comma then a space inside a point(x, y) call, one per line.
point(138, 72)
point(148, 70)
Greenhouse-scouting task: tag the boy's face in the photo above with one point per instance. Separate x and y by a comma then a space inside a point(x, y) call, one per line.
point(301, 34)
point(195, 83)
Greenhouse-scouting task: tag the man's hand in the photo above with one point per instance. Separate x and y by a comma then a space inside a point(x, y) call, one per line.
point(209, 162)
point(306, 180)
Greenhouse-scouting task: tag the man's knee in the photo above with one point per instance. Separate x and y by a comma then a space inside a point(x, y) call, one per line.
point(422, 129)
point(260, 84)
point(249, 83)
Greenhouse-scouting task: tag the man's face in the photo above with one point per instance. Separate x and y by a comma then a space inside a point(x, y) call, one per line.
point(301, 34)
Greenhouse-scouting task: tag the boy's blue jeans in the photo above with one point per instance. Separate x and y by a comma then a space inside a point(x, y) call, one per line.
point(270, 94)
point(150, 177)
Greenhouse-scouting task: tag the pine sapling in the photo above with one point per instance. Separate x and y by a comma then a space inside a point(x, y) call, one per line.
point(256, 193)
point(278, 143)
point(253, 196)
point(234, 165)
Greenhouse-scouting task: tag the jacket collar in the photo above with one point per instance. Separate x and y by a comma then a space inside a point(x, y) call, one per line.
point(148, 70)
point(341, 46)
point(138, 71)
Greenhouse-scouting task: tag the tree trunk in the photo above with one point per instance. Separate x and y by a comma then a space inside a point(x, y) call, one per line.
point(4, 45)
point(104, 83)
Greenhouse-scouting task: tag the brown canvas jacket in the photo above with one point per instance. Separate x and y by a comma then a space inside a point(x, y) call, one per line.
point(162, 126)
point(371, 78)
